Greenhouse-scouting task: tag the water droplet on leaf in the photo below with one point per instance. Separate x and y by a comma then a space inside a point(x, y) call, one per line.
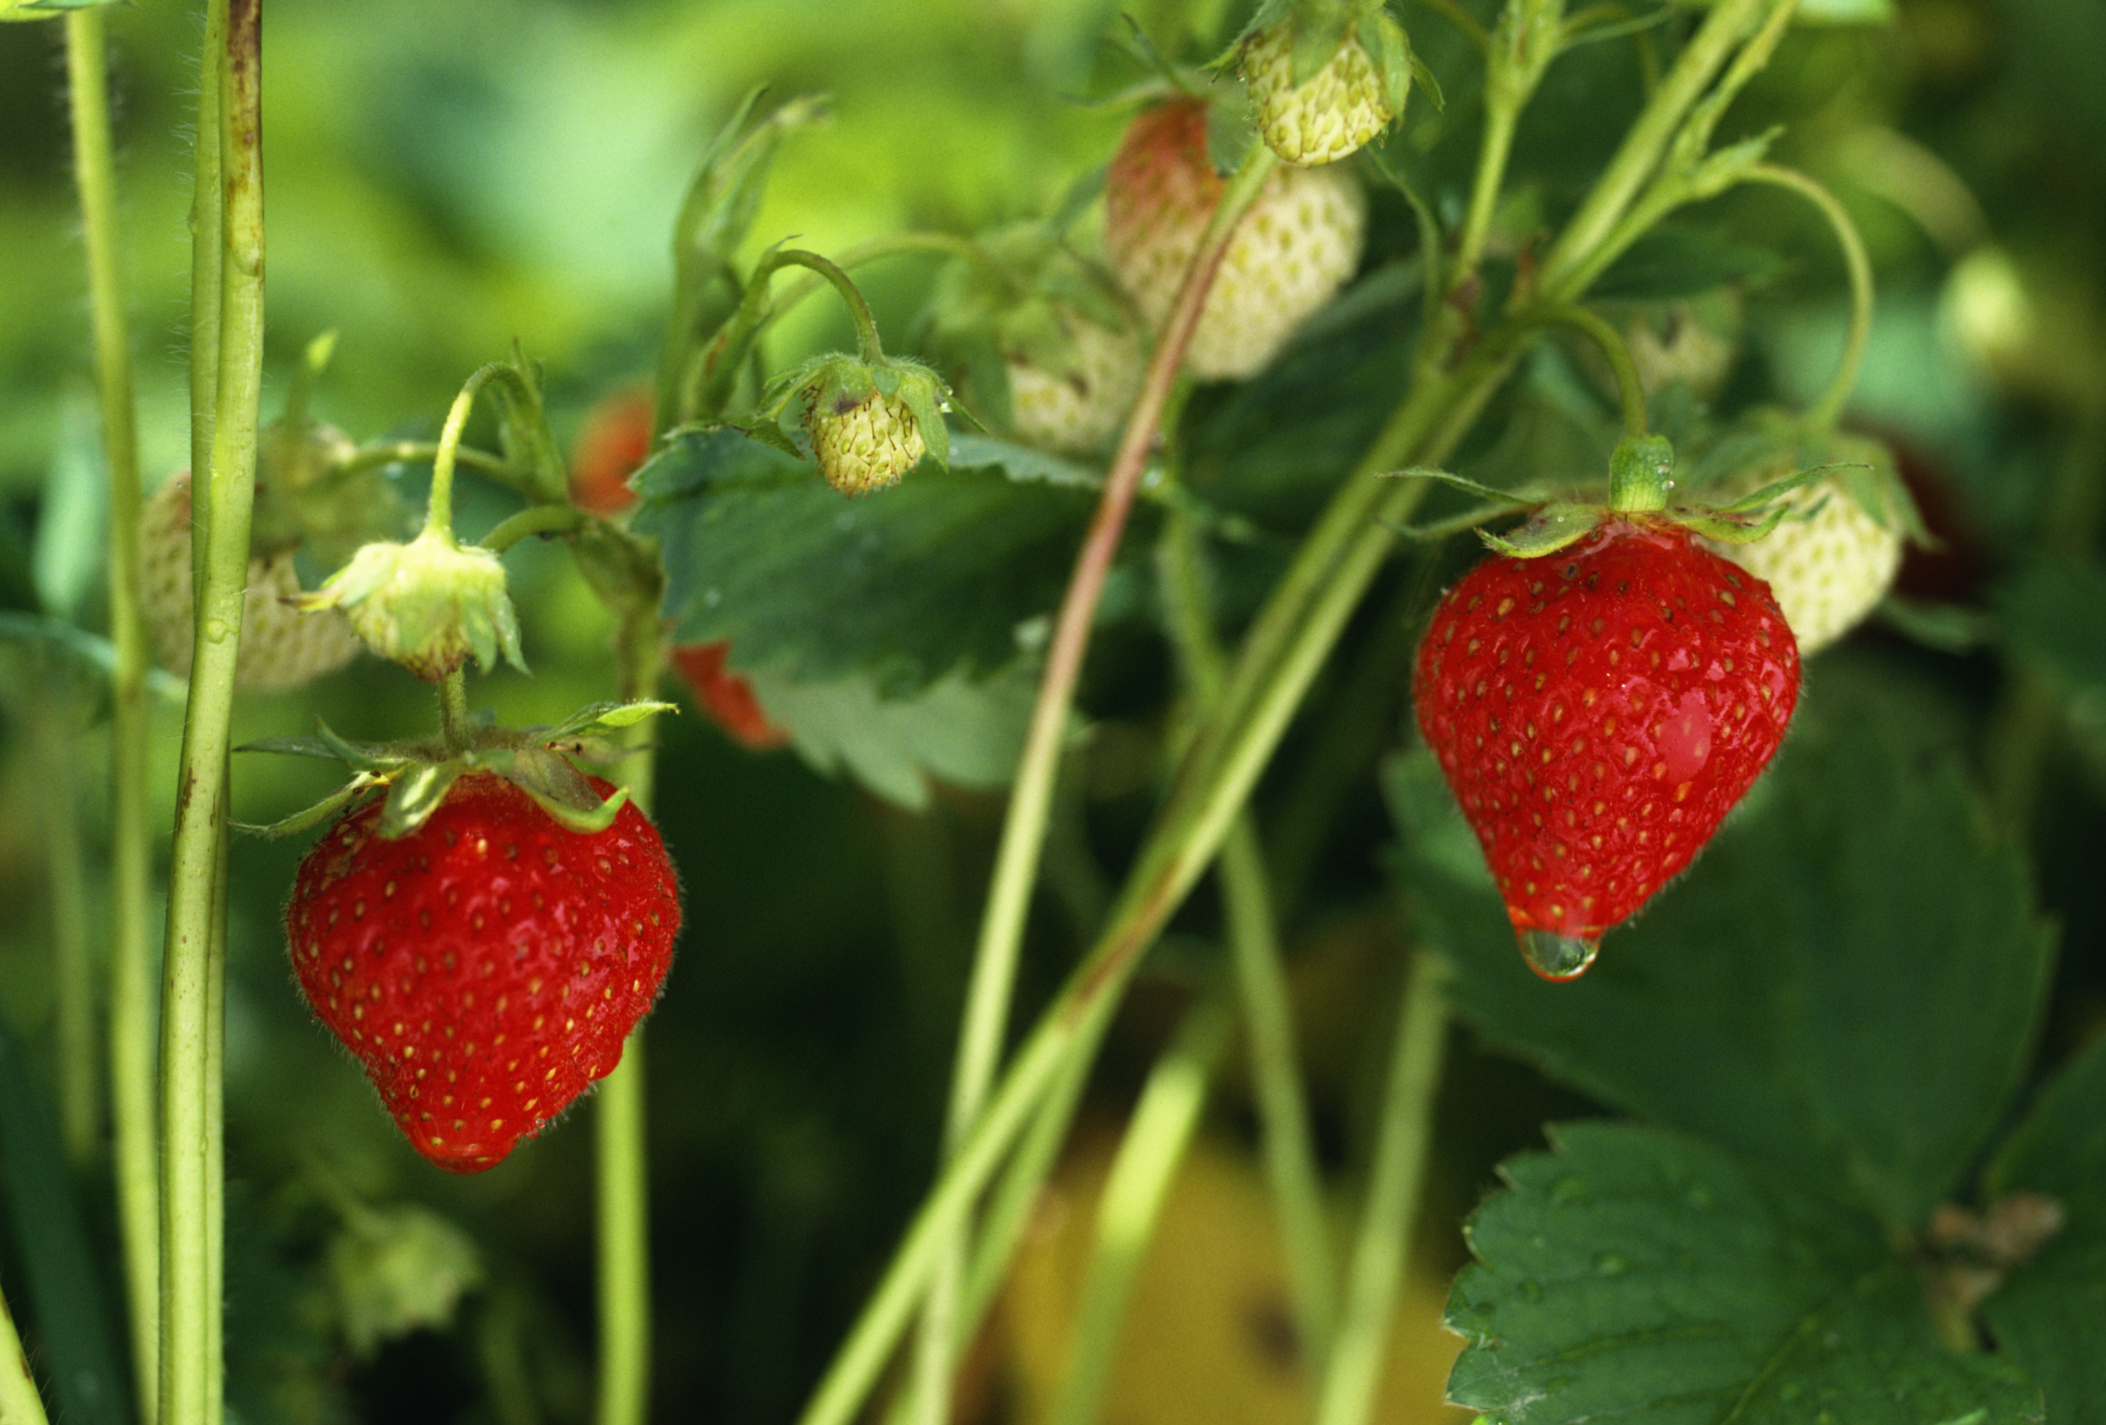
point(1557, 957)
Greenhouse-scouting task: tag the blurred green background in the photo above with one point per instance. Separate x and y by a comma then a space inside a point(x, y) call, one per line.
point(445, 180)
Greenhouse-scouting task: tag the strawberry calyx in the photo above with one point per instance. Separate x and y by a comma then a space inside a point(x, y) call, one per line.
point(414, 775)
point(1641, 479)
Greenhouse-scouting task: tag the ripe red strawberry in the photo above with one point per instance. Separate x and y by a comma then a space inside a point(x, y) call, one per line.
point(725, 696)
point(615, 441)
point(1597, 711)
point(487, 966)
point(1299, 241)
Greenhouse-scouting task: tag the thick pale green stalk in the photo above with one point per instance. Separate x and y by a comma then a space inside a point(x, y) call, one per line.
point(230, 182)
point(1381, 1255)
point(19, 1402)
point(1031, 796)
point(131, 1028)
point(1639, 156)
point(1132, 1203)
point(622, 1206)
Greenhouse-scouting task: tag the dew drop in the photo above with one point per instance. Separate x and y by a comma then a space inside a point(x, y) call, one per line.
point(216, 630)
point(1557, 957)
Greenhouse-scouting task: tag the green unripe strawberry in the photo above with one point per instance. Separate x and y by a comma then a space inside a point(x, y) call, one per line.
point(863, 443)
point(1073, 399)
point(1322, 117)
point(1834, 555)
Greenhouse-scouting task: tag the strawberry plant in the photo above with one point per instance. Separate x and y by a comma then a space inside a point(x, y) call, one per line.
point(1188, 536)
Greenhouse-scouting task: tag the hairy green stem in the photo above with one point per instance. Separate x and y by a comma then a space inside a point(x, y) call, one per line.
point(19, 1402)
point(1030, 800)
point(413, 452)
point(534, 521)
point(230, 186)
point(131, 954)
point(1387, 1217)
point(1824, 412)
point(621, 1143)
point(1132, 1203)
point(1630, 390)
point(867, 344)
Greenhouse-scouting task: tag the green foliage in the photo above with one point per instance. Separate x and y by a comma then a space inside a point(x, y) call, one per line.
point(1837, 1005)
point(1844, 987)
point(1639, 1274)
point(905, 587)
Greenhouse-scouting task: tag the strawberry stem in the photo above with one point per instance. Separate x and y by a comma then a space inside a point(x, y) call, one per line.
point(868, 347)
point(131, 1023)
point(1823, 413)
point(226, 392)
point(1630, 390)
point(1640, 474)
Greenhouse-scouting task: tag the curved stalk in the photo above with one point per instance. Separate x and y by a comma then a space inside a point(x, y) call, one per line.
point(1646, 142)
point(1630, 390)
point(1824, 412)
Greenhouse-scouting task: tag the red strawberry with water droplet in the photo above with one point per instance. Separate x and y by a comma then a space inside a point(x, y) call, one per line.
point(487, 966)
point(1598, 710)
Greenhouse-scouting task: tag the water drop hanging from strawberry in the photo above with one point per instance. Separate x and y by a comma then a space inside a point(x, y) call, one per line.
point(1597, 709)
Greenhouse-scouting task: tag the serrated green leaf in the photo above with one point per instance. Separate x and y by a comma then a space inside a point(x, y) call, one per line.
point(967, 734)
point(1022, 462)
point(1637, 1275)
point(2050, 1314)
point(903, 586)
point(1844, 986)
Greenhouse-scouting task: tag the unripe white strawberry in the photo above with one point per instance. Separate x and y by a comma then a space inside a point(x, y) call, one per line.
point(428, 605)
point(281, 647)
point(864, 444)
point(1327, 115)
point(1834, 555)
point(1296, 245)
point(1072, 401)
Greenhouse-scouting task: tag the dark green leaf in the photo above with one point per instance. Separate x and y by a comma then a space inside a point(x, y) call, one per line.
point(2050, 1314)
point(2054, 614)
point(65, 1287)
point(1021, 462)
point(963, 733)
point(1844, 987)
point(1636, 1275)
point(1681, 261)
point(906, 585)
